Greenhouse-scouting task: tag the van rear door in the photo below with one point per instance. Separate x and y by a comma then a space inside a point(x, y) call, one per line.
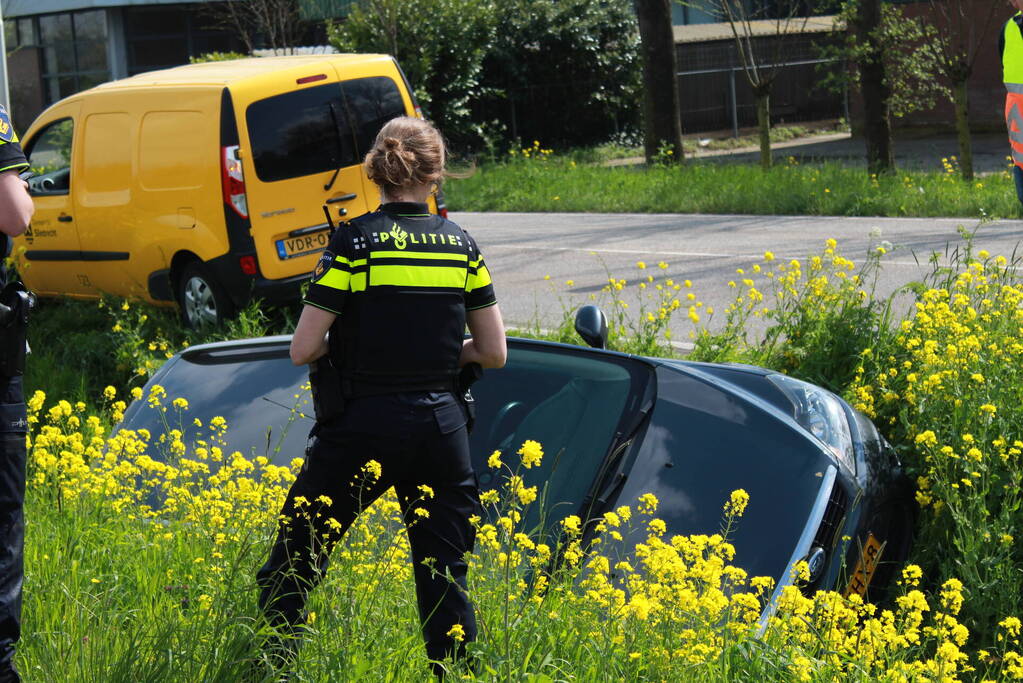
point(307, 143)
point(302, 154)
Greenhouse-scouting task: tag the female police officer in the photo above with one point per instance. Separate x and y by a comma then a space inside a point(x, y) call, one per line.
point(395, 289)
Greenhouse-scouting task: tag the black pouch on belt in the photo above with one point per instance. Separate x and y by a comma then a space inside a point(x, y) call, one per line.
point(15, 304)
point(466, 378)
point(325, 384)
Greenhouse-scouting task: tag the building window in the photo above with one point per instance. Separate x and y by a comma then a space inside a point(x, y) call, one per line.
point(167, 35)
point(73, 50)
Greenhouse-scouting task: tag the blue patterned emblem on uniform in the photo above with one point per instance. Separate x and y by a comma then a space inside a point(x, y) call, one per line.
point(6, 127)
point(323, 265)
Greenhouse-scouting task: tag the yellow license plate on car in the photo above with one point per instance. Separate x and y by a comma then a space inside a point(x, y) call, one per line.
point(290, 247)
point(870, 557)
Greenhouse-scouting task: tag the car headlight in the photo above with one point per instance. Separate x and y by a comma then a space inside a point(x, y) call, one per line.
point(819, 412)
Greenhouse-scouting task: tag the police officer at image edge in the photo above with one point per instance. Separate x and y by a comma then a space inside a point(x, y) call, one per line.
point(15, 212)
point(1010, 52)
point(395, 289)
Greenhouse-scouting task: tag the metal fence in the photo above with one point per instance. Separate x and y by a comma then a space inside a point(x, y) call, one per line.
point(715, 93)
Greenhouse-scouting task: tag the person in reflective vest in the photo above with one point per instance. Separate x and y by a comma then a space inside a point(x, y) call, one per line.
point(1010, 49)
point(395, 289)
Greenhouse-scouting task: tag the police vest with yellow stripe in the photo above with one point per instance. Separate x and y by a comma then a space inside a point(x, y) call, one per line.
point(1012, 75)
point(403, 324)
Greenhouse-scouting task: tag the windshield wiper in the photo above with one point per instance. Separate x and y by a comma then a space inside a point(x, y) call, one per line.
point(611, 475)
point(340, 151)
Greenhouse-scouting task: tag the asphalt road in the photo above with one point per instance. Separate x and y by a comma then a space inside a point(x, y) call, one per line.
point(521, 249)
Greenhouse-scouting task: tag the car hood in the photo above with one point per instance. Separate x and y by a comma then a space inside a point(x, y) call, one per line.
point(706, 438)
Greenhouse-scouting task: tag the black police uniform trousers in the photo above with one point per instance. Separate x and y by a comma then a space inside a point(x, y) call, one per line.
point(13, 426)
point(417, 438)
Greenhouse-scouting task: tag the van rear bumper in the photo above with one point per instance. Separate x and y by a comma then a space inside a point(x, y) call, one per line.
point(285, 291)
point(241, 288)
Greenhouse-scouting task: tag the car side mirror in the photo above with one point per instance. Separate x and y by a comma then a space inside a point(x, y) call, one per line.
point(591, 324)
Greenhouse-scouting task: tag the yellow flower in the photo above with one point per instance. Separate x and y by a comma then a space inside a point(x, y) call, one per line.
point(531, 453)
point(737, 503)
point(1011, 625)
point(494, 461)
point(648, 503)
point(373, 469)
point(457, 633)
point(109, 393)
point(640, 264)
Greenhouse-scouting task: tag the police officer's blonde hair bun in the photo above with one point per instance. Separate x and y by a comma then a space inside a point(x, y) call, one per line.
point(407, 152)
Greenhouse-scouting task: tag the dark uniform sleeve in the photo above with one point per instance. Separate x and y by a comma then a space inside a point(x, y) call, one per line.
point(11, 156)
point(479, 288)
point(332, 278)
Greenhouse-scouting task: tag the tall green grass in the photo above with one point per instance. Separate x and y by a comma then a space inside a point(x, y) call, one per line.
point(545, 182)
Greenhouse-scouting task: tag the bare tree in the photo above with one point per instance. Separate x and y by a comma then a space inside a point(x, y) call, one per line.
point(955, 42)
point(662, 125)
point(761, 33)
point(274, 24)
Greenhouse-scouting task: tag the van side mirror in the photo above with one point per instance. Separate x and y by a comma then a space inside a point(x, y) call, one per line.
point(591, 325)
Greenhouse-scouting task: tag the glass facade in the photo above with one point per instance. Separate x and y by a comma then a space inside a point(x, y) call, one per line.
point(52, 56)
point(74, 51)
point(161, 36)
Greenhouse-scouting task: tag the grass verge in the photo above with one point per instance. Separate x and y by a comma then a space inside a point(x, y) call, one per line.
point(545, 182)
point(120, 590)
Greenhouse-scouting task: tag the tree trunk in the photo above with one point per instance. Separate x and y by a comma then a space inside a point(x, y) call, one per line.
point(662, 123)
point(764, 124)
point(877, 129)
point(961, 102)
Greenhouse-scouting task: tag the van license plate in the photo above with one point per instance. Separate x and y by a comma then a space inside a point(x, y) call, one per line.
point(870, 556)
point(290, 247)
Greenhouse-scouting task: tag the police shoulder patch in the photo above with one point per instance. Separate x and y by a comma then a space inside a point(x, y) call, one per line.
point(323, 265)
point(6, 127)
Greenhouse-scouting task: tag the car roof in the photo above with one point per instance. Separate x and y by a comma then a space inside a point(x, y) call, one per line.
point(236, 71)
point(282, 341)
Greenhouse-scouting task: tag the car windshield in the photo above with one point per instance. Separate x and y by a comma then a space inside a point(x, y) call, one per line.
point(571, 402)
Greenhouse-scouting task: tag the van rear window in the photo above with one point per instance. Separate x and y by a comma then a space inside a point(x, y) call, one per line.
point(372, 103)
point(300, 133)
point(321, 128)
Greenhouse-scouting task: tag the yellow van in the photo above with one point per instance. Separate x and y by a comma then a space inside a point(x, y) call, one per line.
point(204, 184)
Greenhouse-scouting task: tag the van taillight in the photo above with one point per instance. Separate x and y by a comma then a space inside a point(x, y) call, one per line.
point(248, 265)
point(234, 181)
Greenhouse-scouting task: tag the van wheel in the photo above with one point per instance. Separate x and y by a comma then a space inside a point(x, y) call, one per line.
point(204, 304)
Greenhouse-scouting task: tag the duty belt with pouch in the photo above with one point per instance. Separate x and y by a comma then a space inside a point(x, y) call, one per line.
point(15, 304)
point(468, 376)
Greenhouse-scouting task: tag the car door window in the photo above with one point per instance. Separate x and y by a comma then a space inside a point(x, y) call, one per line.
point(50, 159)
